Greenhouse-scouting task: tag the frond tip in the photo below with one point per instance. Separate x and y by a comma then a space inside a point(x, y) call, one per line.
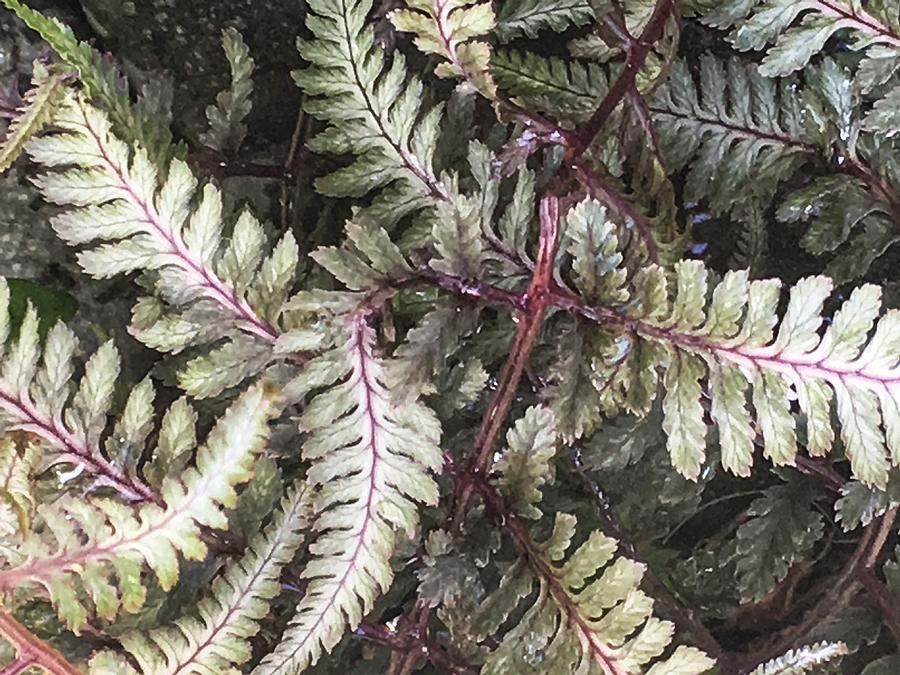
point(852, 361)
point(371, 457)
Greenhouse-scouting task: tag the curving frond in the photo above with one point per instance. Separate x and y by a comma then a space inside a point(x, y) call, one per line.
point(529, 17)
point(215, 636)
point(36, 396)
point(565, 88)
point(731, 339)
point(371, 458)
point(374, 112)
point(799, 30)
point(446, 28)
point(738, 133)
point(35, 113)
point(104, 544)
point(583, 613)
point(126, 219)
point(226, 118)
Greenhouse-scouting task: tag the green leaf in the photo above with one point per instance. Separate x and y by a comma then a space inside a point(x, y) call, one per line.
point(564, 88)
point(529, 17)
point(782, 529)
point(525, 465)
point(226, 119)
point(738, 133)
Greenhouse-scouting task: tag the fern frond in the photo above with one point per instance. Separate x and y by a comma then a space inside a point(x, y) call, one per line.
point(738, 133)
point(731, 338)
point(103, 82)
point(446, 28)
point(752, 239)
point(216, 635)
point(371, 457)
point(36, 396)
point(529, 17)
point(583, 613)
point(782, 529)
point(374, 111)
point(569, 89)
point(841, 211)
point(17, 501)
point(763, 22)
point(125, 219)
point(525, 464)
point(803, 659)
point(92, 539)
point(36, 112)
point(226, 119)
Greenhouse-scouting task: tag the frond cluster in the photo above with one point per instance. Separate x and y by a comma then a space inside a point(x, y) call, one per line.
point(216, 635)
point(104, 544)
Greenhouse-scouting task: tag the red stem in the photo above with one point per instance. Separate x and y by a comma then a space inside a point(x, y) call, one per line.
point(31, 650)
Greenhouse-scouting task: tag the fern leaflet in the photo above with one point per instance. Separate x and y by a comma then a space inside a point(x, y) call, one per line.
point(584, 614)
point(36, 397)
point(370, 459)
point(734, 342)
point(39, 105)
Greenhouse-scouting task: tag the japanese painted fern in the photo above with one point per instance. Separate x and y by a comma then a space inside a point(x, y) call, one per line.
point(522, 208)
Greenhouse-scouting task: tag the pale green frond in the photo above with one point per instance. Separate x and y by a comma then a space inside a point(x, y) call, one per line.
point(447, 28)
point(226, 119)
point(103, 83)
point(596, 259)
point(36, 112)
point(38, 395)
point(849, 369)
point(803, 659)
point(17, 499)
point(125, 219)
point(738, 133)
point(584, 613)
point(525, 465)
point(374, 111)
point(565, 88)
point(95, 549)
point(528, 17)
point(215, 636)
point(136, 222)
point(371, 457)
